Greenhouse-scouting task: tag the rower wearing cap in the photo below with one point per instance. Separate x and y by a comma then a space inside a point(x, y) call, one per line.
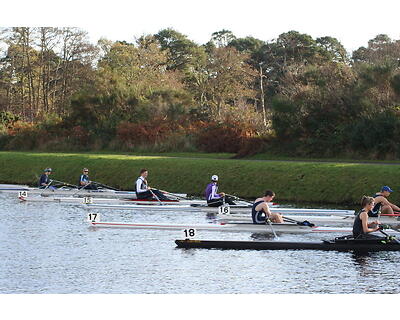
point(44, 180)
point(215, 199)
point(361, 226)
point(382, 205)
point(260, 211)
point(84, 181)
point(143, 191)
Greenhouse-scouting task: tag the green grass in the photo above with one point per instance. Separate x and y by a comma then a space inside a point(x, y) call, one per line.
point(292, 181)
point(269, 156)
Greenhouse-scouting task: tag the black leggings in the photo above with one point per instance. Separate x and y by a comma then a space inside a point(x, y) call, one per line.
point(148, 195)
point(221, 201)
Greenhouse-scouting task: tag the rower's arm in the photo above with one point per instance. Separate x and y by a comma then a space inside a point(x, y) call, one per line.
point(387, 203)
point(266, 209)
point(364, 219)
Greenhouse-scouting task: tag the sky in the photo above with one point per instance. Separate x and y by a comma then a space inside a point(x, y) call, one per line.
point(352, 22)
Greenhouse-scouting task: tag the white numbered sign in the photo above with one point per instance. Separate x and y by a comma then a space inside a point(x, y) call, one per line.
point(93, 217)
point(189, 233)
point(87, 200)
point(224, 210)
point(22, 194)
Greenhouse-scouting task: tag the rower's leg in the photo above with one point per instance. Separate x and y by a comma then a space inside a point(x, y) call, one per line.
point(276, 217)
point(387, 209)
point(215, 202)
point(229, 200)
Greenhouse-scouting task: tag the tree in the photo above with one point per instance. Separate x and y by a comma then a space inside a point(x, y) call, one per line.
point(222, 38)
point(182, 53)
point(225, 80)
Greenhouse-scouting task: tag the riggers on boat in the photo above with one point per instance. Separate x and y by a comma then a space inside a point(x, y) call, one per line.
point(347, 243)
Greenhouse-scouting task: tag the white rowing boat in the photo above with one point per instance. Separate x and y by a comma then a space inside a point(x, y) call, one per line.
point(134, 204)
point(229, 227)
point(78, 200)
point(72, 192)
point(301, 211)
point(322, 220)
point(240, 208)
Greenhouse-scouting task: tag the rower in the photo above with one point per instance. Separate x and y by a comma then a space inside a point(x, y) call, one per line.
point(215, 199)
point(382, 205)
point(143, 191)
point(260, 211)
point(44, 180)
point(361, 226)
point(84, 181)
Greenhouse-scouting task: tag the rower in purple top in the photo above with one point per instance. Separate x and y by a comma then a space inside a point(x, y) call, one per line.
point(215, 199)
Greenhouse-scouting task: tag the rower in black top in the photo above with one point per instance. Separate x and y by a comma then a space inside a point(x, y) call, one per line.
point(382, 204)
point(361, 226)
point(260, 210)
point(44, 180)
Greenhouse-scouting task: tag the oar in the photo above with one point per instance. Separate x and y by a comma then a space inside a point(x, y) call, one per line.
point(154, 195)
point(237, 198)
point(65, 184)
point(51, 181)
point(174, 195)
point(300, 223)
point(391, 238)
point(270, 224)
point(82, 188)
point(105, 186)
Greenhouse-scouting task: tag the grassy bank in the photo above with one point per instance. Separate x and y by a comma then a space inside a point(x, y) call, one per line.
point(292, 181)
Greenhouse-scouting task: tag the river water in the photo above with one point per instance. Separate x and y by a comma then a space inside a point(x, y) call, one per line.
point(49, 248)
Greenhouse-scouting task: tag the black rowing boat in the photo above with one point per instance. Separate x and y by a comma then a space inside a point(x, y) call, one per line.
point(338, 244)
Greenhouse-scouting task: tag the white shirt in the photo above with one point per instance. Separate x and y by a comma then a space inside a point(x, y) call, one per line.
point(141, 182)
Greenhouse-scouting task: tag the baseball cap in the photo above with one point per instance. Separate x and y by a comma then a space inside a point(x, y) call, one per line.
point(386, 188)
point(47, 170)
point(214, 177)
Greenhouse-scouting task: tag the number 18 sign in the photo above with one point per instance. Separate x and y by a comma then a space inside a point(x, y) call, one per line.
point(189, 233)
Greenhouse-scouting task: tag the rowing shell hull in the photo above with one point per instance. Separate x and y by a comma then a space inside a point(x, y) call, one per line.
point(235, 227)
point(154, 207)
point(78, 193)
point(393, 220)
point(111, 201)
point(280, 245)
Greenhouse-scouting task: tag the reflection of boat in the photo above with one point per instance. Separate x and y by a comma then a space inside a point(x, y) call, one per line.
point(228, 227)
point(337, 244)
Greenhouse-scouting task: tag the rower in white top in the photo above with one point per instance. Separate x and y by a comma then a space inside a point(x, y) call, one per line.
point(215, 199)
point(144, 192)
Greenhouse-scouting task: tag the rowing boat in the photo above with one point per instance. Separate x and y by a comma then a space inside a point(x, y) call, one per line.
point(336, 245)
point(346, 219)
point(161, 207)
point(66, 191)
point(228, 227)
point(78, 200)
